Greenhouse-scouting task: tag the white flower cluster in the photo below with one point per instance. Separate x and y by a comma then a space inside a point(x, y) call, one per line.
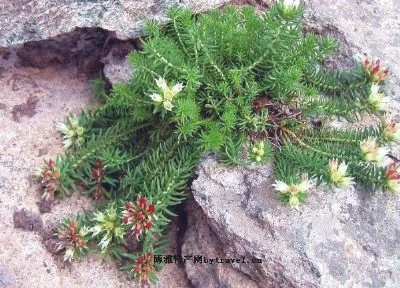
point(377, 101)
point(73, 132)
point(108, 226)
point(168, 93)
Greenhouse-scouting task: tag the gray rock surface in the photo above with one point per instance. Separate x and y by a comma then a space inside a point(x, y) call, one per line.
point(24, 20)
point(344, 238)
point(370, 27)
point(118, 71)
point(7, 278)
point(200, 240)
point(117, 68)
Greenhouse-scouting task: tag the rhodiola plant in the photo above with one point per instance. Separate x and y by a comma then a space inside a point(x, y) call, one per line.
point(249, 87)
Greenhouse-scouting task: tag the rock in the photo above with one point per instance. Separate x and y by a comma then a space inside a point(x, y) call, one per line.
point(7, 278)
point(25, 21)
point(338, 239)
point(117, 68)
point(118, 71)
point(371, 28)
point(200, 240)
point(3, 181)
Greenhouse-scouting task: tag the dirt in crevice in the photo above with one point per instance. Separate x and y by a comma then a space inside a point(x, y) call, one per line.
point(30, 221)
point(82, 48)
point(27, 220)
point(87, 49)
point(45, 205)
point(258, 4)
point(181, 223)
point(27, 109)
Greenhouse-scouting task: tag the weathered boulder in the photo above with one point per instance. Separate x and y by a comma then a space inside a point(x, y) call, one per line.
point(24, 20)
point(200, 240)
point(343, 238)
point(369, 28)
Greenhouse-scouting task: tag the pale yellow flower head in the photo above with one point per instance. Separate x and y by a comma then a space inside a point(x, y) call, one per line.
point(376, 100)
point(391, 131)
point(294, 201)
point(69, 254)
point(258, 150)
point(73, 132)
point(371, 151)
point(338, 173)
point(293, 189)
point(108, 226)
point(291, 3)
point(168, 105)
point(167, 93)
point(394, 186)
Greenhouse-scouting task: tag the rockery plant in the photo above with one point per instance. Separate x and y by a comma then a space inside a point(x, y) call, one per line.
point(249, 87)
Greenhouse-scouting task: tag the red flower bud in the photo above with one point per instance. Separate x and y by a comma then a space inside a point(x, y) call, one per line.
point(129, 206)
point(51, 164)
point(72, 226)
point(51, 187)
point(385, 73)
point(148, 224)
point(392, 173)
point(137, 268)
point(98, 193)
point(99, 164)
point(79, 242)
point(139, 216)
point(140, 260)
point(142, 202)
point(143, 267)
point(96, 174)
point(376, 68)
point(367, 63)
point(125, 219)
point(151, 209)
point(75, 237)
point(136, 230)
point(47, 175)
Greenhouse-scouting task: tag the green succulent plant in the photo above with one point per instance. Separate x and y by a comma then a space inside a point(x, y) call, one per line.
point(249, 87)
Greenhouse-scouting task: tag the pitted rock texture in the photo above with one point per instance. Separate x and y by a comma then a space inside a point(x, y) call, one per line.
point(342, 238)
point(26, 20)
point(371, 27)
point(200, 240)
point(117, 69)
